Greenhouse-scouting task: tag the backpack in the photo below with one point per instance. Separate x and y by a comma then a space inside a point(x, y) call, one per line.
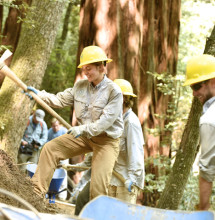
point(41, 124)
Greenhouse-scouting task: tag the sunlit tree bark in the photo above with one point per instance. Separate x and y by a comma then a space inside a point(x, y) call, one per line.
point(1, 17)
point(29, 63)
point(160, 49)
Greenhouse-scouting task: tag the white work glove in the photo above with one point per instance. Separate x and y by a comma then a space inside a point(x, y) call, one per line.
point(128, 184)
point(76, 131)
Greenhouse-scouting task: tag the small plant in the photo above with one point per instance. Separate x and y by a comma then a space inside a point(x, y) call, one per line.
point(191, 194)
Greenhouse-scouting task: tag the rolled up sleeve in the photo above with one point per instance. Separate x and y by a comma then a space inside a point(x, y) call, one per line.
point(207, 157)
point(60, 100)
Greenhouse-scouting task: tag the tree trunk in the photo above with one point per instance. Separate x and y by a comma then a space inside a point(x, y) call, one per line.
point(29, 63)
point(12, 30)
point(160, 49)
point(64, 31)
point(1, 18)
point(186, 154)
point(98, 26)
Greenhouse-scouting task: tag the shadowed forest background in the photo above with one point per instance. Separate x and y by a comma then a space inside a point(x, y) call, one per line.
point(150, 43)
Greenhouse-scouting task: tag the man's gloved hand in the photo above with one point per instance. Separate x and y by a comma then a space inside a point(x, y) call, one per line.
point(128, 184)
point(30, 88)
point(76, 131)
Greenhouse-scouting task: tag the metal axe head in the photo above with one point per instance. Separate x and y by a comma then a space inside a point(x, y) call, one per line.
point(5, 55)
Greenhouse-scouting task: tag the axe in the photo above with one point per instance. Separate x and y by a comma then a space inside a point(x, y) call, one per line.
point(9, 73)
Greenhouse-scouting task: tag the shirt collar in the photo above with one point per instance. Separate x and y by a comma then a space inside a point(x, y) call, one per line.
point(208, 104)
point(100, 84)
point(126, 113)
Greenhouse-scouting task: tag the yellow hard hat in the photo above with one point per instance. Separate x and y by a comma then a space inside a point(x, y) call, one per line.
point(200, 68)
point(92, 54)
point(125, 86)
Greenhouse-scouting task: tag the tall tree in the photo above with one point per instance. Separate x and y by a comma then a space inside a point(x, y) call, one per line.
point(188, 149)
point(160, 53)
point(29, 63)
point(11, 30)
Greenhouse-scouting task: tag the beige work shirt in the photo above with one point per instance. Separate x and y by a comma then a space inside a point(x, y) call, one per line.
point(98, 108)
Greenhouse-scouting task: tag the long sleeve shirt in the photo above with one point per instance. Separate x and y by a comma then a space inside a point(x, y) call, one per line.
point(98, 109)
point(207, 141)
point(37, 132)
point(52, 134)
point(130, 162)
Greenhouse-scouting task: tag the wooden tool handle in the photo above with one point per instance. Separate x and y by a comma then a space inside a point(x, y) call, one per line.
point(119, 176)
point(72, 167)
point(9, 73)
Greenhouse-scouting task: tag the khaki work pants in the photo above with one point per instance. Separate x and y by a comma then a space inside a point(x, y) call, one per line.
point(120, 192)
point(105, 151)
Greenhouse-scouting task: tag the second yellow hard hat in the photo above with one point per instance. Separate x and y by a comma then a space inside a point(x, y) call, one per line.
point(125, 86)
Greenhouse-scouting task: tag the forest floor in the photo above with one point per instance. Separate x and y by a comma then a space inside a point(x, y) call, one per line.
point(16, 182)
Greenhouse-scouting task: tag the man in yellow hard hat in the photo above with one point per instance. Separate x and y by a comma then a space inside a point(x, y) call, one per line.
point(97, 103)
point(200, 75)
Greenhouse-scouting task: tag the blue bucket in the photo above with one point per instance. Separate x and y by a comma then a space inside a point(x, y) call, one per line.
point(57, 178)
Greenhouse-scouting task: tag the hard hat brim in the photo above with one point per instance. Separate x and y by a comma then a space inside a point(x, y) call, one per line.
point(129, 93)
point(94, 61)
point(199, 79)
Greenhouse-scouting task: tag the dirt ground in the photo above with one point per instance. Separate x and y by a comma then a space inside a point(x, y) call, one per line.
point(16, 182)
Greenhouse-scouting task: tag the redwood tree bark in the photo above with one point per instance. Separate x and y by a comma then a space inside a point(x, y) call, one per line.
point(160, 49)
point(1, 17)
point(29, 63)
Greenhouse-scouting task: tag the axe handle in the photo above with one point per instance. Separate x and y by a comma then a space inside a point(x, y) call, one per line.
point(69, 166)
point(9, 73)
point(119, 176)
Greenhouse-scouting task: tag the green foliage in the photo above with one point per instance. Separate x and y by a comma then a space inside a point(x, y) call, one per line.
point(155, 183)
point(197, 21)
point(166, 82)
point(190, 197)
point(24, 8)
point(191, 194)
point(8, 3)
point(172, 86)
